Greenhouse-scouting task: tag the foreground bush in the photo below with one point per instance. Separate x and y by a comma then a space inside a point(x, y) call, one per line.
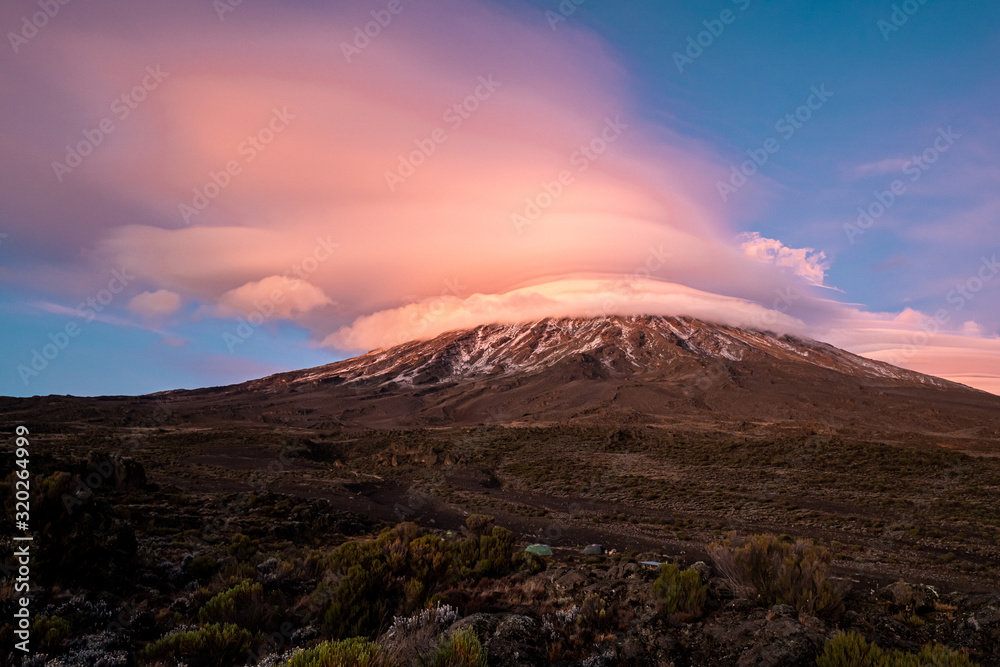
point(359, 604)
point(244, 605)
point(210, 646)
point(356, 652)
point(242, 547)
point(88, 541)
point(776, 572)
point(849, 649)
point(461, 649)
point(402, 571)
point(679, 591)
point(479, 524)
point(50, 633)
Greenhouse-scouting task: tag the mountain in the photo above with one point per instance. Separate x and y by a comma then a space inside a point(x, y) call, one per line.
point(639, 369)
point(650, 347)
point(627, 370)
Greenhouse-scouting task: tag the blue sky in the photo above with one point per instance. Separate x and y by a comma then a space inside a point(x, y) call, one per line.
point(890, 97)
point(928, 89)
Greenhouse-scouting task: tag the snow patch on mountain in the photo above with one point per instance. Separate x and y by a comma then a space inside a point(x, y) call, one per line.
point(623, 345)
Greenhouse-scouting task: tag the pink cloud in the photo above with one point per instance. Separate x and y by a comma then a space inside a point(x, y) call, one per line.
point(971, 361)
point(805, 262)
point(155, 304)
point(550, 111)
point(274, 296)
point(910, 339)
point(581, 297)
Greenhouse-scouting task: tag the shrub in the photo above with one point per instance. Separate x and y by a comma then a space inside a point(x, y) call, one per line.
point(850, 649)
point(461, 649)
point(430, 562)
point(89, 542)
point(360, 602)
point(530, 563)
point(776, 572)
point(356, 652)
point(233, 571)
point(679, 591)
point(242, 547)
point(50, 633)
point(402, 571)
point(594, 614)
point(573, 632)
point(209, 646)
point(203, 566)
point(911, 620)
point(936, 655)
point(479, 523)
point(411, 637)
point(494, 553)
point(366, 588)
point(244, 605)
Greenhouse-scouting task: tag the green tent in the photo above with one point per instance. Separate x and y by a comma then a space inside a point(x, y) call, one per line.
point(539, 549)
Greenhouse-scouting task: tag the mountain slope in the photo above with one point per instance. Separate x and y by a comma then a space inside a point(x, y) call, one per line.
point(614, 370)
point(649, 347)
point(651, 369)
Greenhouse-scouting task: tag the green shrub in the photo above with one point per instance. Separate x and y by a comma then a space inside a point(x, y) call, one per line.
point(595, 615)
point(359, 605)
point(679, 591)
point(461, 649)
point(242, 547)
point(936, 655)
point(244, 605)
point(89, 542)
point(402, 571)
point(772, 571)
point(356, 652)
point(479, 523)
point(495, 551)
point(209, 646)
point(50, 632)
point(203, 566)
point(233, 571)
point(911, 620)
point(850, 649)
point(430, 560)
point(530, 563)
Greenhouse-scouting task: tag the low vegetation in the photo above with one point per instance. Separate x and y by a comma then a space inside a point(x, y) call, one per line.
point(281, 576)
point(403, 570)
point(772, 571)
point(208, 646)
point(461, 649)
point(245, 605)
point(850, 649)
point(679, 591)
point(355, 652)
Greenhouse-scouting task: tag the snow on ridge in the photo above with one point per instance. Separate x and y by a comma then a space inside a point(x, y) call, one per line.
point(502, 350)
